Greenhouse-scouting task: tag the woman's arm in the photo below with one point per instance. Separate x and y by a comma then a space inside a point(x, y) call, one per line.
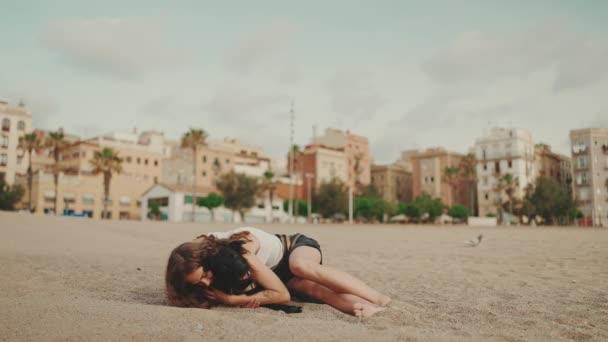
point(274, 291)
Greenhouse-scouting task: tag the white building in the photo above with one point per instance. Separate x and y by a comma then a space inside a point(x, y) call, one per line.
point(175, 202)
point(15, 121)
point(503, 151)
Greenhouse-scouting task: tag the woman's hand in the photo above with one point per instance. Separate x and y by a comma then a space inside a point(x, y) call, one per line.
point(219, 296)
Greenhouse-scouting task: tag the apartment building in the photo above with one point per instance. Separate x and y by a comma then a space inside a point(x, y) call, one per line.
point(553, 165)
point(428, 175)
point(81, 192)
point(590, 173)
point(393, 181)
point(319, 164)
point(15, 121)
point(500, 152)
point(356, 149)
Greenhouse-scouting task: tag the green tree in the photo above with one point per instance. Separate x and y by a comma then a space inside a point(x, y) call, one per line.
point(30, 142)
point(106, 162)
point(510, 184)
point(239, 191)
point(451, 175)
point(193, 139)
point(459, 212)
point(468, 170)
point(56, 142)
point(269, 185)
point(331, 198)
point(211, 202)
point(154, 211)
point(550, 200)
point(412, 211)
point(429, 206)
point(382, 208)
point(9, 195)
point(364, 208)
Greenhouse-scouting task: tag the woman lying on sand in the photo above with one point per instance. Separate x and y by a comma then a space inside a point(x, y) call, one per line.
point(198, 271)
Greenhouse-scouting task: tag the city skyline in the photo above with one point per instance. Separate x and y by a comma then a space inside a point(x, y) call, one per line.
point(405, 75)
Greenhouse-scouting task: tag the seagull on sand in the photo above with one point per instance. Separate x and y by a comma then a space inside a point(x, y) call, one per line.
point(474, 242)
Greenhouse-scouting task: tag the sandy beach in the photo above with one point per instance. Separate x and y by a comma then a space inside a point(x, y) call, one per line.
point(79, 279)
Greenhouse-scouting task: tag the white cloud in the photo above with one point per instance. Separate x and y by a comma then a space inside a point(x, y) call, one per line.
point(234, 101)
point(480, 57)
point(257, 47)
point(125, 47)
point(354, 94)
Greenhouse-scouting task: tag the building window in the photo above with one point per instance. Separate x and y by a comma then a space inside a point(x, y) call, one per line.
point(128, 159)
point(204, 159)
point(21, 126)
point(510, 164)
point(4, 141)
point(88, 200)
point(3, 159)
point(19, 159)
point(204, 173)
point(187, 199)
point(138, 160)
point(6, 125)
point(485, 167)
point(432, 179)
point(486, 196)
point(582, 162)
point(83, 154)
point(146, 161)
point(497, 167)
point(227, 161)
point(156, 163)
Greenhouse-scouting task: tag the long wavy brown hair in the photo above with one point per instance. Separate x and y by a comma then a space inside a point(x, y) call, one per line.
point(187, 258)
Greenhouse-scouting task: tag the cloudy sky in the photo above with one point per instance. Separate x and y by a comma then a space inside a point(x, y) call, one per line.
point(406, 74)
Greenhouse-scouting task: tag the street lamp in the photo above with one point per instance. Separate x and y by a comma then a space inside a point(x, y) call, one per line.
point(309, 206)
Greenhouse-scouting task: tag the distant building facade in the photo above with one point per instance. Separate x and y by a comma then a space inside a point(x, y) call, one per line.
point(81, 192)
point(356, 149)
point(15, 121)
point(428, 175)
point(500, 152)
point(590, 172)
point(393, 181)
point(553, 165)
point(322, 164)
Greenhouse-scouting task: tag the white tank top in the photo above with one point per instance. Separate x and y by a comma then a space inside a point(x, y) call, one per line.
point(271, 248)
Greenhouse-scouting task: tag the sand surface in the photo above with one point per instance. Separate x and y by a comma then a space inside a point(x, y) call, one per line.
point(78, 279)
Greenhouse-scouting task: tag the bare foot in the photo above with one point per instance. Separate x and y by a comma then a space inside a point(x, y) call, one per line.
point(383, 300)
point(365, 310)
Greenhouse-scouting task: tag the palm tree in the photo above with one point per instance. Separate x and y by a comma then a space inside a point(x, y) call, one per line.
point(106, 162)
point(468, 169)
point(450, 176)
point(270, 186)
point(30, 142)
point(193, 139)
point(510, 185)
point(56, 142)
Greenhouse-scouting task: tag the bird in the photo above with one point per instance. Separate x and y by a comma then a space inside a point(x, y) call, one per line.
point(474, 242)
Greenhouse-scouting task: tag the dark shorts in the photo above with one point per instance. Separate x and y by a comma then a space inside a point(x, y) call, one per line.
point(291, 242)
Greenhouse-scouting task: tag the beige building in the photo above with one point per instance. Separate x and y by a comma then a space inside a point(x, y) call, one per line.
point(590, 173)
point(81, 192)
point(428, 169)
point(356, 149)
point(211, 162)
point(322, 164)
point(393, 182)
point(553, 165)
point(15, 121)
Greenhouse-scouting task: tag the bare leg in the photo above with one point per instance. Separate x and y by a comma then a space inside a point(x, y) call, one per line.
point(346, 303)
point(305, 263)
